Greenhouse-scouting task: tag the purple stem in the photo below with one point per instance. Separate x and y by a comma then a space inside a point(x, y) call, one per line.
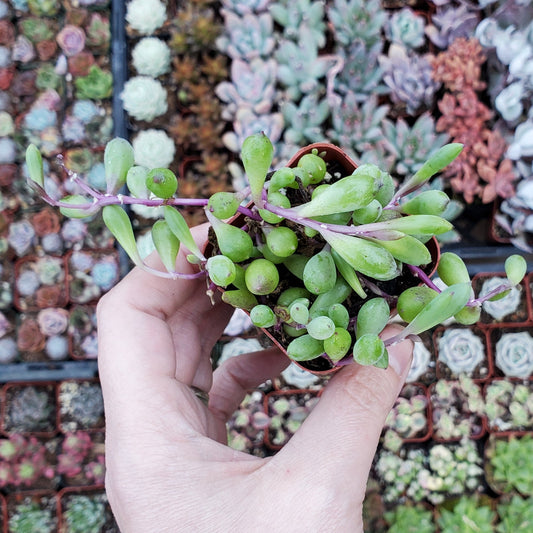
point(419, 273)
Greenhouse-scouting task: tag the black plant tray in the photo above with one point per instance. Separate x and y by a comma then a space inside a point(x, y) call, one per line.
point(55, 371)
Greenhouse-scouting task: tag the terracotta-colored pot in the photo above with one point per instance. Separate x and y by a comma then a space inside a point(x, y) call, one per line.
point(495, 334)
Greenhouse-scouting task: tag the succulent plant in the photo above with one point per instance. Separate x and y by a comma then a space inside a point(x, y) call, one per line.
point(96, 85)
point(153, 148)
point(241, 7)
point(510, 464)
point(509, 405)
point(515, 515)
point(85, 514)
point(410, 519)
point(144, 98)
point(503, 307)
point(461, 350)
point(514, 354)
point(146, 16)
point(409, 78)
point(406, 28)
point(81, 405)
point(32, 517)
point(151, 57)
point(357, 20)
point(247, 37)
point(467, 516)
point(291, 16)
point(451, 22)
point(252, 85)
point(30, 409)
point(458, 409)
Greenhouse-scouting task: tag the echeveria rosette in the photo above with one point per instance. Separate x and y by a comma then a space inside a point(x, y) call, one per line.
point(514, 354)
point(503, 307)
point(461, 350)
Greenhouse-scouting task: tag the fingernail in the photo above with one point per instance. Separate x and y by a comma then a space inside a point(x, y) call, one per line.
point(400, 357)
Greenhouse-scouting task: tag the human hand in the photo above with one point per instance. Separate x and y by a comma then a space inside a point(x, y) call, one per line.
point(168, 468)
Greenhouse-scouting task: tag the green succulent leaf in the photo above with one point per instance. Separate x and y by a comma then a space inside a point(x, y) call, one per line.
point(136, 181)
point(368, 258)
point(232, 241)
point(413, 225)
point(262, 316)
point(77, 212)
point(320, 274)
point(34, 162)
point(372, 317)
point(370, 350)
point(162, 182)
point(295, 264)
point(261, 276)
point(223, 204)
point(348, 273)
point(179, 227)
point(347, 194)
point(166, 244)
point(445, 305)
point(256, 155)
point(240, 298)
point(321, 328)
point(118, 159)
point(221, 270)
point(305, 348)
point(324, 301)
point(119, 224)
point(338, 345)
point(314, 165)
point(468, 315)
point(426, 203)
point(452, 269)
point(411, 301)
point(407, 249)
point(515, 268)
point(289, 295)
point(281, 241)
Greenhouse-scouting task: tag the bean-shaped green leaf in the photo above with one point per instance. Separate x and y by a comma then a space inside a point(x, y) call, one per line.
point(305, 348)
point(338, 345)
point(321, 327)
point(256, 155)
point(223, 204)
point(372, 317)
point(232, 241)
point(368, 258)
point(289, 295)
point(407, 249)
point(449, 302)
point(432, 202)
point(34, 162)
point(295, 264)
point(515, 268)
point(166, 244)
point(348, 273)
point(240, 298)
point(320, 273)
point(87, 210)
point(369, 350)
point(179, 227)
point(119, 224)
point(221, 270)
point(262, 316)
point(118, 159)
point(411, 301)
point(324, 301)
point(136, 181)
point(452, 269)
point(347, 194)
point(414, 225)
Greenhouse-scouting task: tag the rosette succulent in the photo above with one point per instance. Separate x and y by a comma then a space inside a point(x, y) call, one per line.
point(310, 257)
point(144, 98)
point(151, 57)
point(146, 16)
point(514, 354)
point(461, 350)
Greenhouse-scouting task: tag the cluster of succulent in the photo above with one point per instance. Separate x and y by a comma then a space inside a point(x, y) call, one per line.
point(32, 515)
point(23, 460)
point(410, 519)
point(481, 171)
point(468, 515)
point(287, 413)
point(29, 408)
point(509, 464)
point(509, 405)
point(434, 475)
point(458, 409)
point(80, 456)
point(313, 248)
point(82, 331)
point(85, 513)
point(81, 405)
point(407, 419)
point(515, 514)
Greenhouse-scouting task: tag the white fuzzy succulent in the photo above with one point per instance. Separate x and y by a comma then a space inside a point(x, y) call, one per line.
point(514, 354)
point(146, 16)
point(151, 57)
point(144, 98)
point(153, 149)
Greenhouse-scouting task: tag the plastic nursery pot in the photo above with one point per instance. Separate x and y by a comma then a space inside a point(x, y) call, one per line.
point(42, 501)
point(82, 337)
point(462, 350)
point(287, 410)
point(339, 164)
point(513, 308)
point(91, 273)
point(36, 287)
point(80, 405)
point(502, 423)
point(29, 408)
point(90, 500)
point(476, 421)
point(511, 351)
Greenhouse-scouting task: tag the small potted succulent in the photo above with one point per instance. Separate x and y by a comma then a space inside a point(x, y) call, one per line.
point(410, 519)
point(35, 512)
point(29, 408)
point(458, 409)
point(462, 350)
point(468, 515)
point(509, 405)
point(512, 350)
point(80, 405)
point(408, 420)
point(319, 256)
point(287, 411)
point(83, 341)
point(515, 514)
point(508, 464)
point(84, 511)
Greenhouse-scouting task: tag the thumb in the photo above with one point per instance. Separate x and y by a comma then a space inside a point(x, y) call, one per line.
point(342, 432)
